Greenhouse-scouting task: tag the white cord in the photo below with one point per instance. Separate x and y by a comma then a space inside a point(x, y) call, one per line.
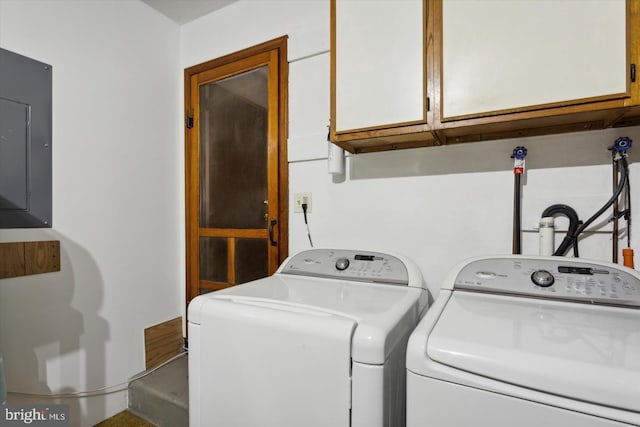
point(100, 391)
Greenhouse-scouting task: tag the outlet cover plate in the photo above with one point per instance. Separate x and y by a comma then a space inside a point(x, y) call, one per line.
point(299, 199)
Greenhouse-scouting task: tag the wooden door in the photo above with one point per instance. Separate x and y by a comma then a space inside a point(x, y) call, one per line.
point(236, 167)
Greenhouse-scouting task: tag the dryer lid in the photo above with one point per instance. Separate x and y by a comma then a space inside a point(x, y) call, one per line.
point(580, 351)
point(385, 315)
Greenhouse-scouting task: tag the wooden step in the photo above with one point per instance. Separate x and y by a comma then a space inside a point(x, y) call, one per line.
point(162, 396)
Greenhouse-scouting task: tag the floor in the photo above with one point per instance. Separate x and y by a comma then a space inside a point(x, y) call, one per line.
point(125, 419)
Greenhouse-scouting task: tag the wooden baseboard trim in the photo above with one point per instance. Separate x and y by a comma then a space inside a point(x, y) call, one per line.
point(162, 342)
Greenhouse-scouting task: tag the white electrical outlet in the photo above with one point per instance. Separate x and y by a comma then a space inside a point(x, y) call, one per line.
point(299, 199)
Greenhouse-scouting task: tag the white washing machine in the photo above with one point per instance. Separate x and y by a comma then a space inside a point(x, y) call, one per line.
point(528, 342)
point(321, 343)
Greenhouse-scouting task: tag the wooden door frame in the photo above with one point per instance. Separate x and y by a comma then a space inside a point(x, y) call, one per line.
point(279, 46)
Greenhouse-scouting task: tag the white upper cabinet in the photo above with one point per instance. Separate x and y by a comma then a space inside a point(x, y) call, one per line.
point(379, 57)
point(514, 55)
point(378, 61)
point(411, 73)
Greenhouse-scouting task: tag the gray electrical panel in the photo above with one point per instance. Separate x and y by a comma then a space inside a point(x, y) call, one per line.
point(25, 142)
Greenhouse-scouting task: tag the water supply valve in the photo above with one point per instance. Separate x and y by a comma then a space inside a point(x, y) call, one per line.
point(519, 153)
point(622, 144)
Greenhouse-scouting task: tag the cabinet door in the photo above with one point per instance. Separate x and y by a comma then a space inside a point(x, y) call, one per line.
point(504, 56)
point(378, 68)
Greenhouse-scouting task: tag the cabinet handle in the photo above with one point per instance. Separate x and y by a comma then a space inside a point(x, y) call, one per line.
point(633, 73)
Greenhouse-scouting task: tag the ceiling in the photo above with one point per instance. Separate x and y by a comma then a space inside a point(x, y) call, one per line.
point(183, 11)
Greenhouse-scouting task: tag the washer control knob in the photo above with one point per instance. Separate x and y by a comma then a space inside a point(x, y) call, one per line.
point(342, 263)
point(542, 278)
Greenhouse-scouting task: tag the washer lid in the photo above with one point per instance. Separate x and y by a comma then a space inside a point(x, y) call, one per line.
point(580, 351)
point(385, 314)
point(273, 367)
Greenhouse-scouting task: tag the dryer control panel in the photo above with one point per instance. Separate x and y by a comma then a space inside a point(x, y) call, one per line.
point(344, 264)
point(552, 277)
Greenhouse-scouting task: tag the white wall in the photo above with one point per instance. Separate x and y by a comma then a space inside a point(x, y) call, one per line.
point(437, 205)
point(442, 205)
point(118, 182)
point(116, 206)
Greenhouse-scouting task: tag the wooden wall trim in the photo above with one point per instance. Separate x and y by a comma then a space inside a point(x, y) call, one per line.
point(27, 258)
point(162, 342)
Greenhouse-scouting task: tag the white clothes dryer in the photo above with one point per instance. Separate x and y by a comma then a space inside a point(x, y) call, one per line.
point(528, 342)
point(320, 343)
